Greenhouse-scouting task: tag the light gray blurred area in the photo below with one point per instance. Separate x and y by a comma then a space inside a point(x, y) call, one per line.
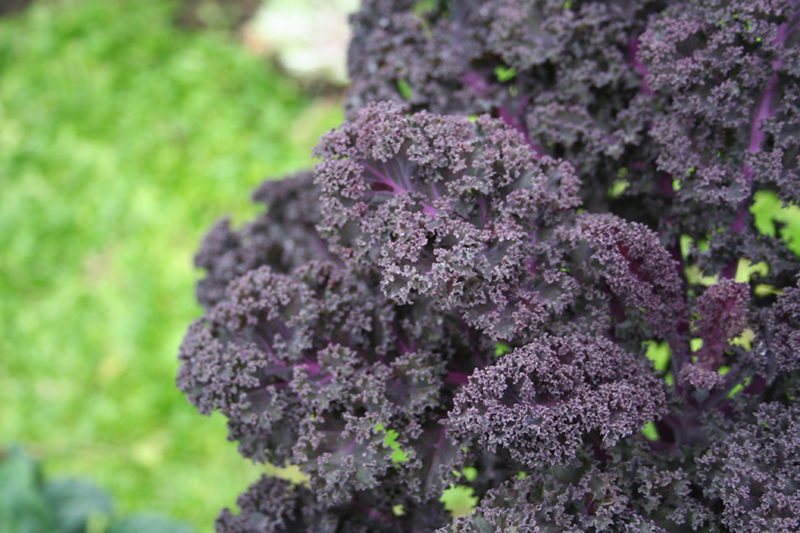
point(308, 38)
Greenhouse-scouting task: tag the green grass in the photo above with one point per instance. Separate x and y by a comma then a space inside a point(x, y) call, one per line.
point(122, 139)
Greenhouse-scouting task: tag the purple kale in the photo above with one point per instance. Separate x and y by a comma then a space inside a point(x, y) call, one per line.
point(777, 359)
point(785, 332)
point(565, 75)
point(728, 78)
point(449, 210)
point(283, 239)
point(542, 401)
point(721, 314)
point(641, 276)
point(308, 368)
point(284, 357)
point(630, 493)
point(754, 473)
point(538, 245)
point(273, 505)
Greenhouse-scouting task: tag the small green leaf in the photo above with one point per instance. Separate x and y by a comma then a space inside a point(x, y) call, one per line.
point(404, 88)
point(501, 348)
point(390, 440)
point(459, 500)
point(423, 6)
point(650, 432)
point(617, 188)
point(768, 209)
point(470, 473)
point(504, 73)
point(659, 353)
point(23, 508)
point(76, 502)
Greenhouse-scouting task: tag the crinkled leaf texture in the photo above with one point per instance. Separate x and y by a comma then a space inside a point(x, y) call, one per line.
point(528, 200)
point(450, 210)
point(542, 401)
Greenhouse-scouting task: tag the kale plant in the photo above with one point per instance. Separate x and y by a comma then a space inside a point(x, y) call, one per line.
point(535, 260)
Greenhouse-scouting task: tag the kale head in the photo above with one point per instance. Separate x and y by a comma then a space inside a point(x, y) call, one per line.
point(550, 260)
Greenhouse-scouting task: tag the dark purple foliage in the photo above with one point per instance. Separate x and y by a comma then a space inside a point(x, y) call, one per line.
point(448, 210)
point(284, 238)
point(754, 473)
point(632, 492)
point(274, 505)
point(522, 257)
point(542, 401)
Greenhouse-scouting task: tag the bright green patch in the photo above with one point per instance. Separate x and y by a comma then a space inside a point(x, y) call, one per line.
point(405, 89)
point(770, 213)
point(470, 473)
point(659, 353)
point(424, 6)
point(289, 472)
point(459, 500)
point(617, 188)
point(504, 74)
point(650, 432)
point(763, 289)
point(501, 348)
point(695, 276)
point(745, 340)
point(745, 271)
point(686, 246)
point(738, 388)
point(122, 140)
point(390, 440)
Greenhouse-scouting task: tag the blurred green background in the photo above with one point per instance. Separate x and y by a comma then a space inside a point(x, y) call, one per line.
point(122, 139)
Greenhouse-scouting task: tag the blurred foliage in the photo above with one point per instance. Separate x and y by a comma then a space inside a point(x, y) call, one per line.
point(122, 139)
point(29, 503)
point(225, 15)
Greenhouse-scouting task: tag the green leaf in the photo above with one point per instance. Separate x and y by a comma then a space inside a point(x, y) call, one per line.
point(404, 88)
point(459, 500)
point(659, 353)
point(74, 502)
point(504, 73)
point(501, 348)
point(650, 431)
point(23, 508)
point(768, 210)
